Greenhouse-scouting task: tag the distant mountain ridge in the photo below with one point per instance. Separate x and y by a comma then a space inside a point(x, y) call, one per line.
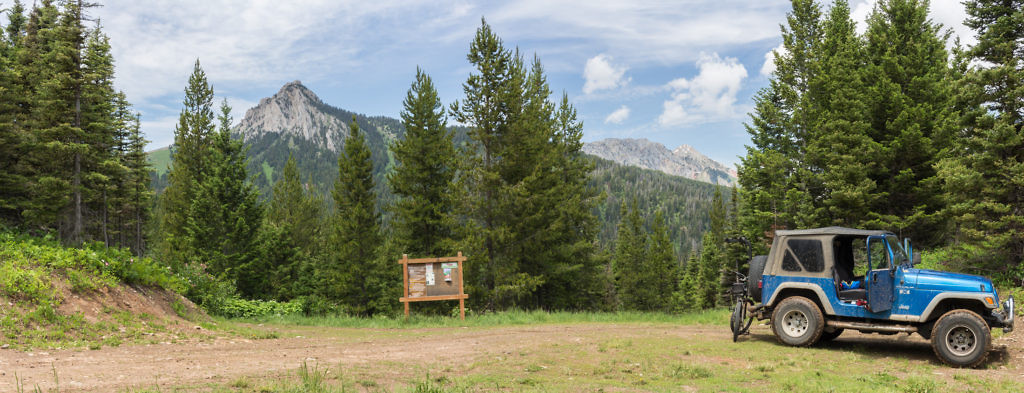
point(295, 121)
point(684, 161)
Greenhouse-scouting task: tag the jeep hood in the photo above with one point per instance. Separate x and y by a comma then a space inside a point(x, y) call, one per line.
point(945, 281)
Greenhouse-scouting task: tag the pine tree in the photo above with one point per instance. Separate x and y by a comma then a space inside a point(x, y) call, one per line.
point(630, 257)
point(424, 174)
point(100, 163)
point(706, 289)
point(294, 215)
point(714, 262)
point(661, 267)
point(355, 272)
point(12, 136)
point(778, 185)
point(907, 78)
point(841, 145)
point(523, 159)
point(564, 225)
point(138, 204)
point(686, 294)
point(47, 62)
point(489, 114)
point(984, 175)
point(191, 155)
point(225, 215)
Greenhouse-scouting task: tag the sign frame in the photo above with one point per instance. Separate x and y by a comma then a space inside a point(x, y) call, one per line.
point(406, 299)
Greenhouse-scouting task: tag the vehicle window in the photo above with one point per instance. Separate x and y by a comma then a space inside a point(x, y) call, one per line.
point(879, 255)
point(898, 253)
point(860, 259)
point(789, 263)
point(808, 252)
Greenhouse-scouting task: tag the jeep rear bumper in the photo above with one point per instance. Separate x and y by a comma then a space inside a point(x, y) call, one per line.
point(1004, 317)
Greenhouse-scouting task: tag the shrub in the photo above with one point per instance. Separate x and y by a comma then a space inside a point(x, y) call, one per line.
point(204, 289)
point(242, 308)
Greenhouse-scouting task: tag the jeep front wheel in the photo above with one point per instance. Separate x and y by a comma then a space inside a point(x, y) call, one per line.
point(797, 321)
point(961, 338)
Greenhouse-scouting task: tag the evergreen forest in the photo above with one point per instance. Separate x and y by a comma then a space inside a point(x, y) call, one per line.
point(897, 128)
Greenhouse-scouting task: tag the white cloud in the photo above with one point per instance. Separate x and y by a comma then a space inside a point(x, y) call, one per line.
point(769, 60)
point(600, 74)
point(709, 96)
point(620, 115)
point(642, 32)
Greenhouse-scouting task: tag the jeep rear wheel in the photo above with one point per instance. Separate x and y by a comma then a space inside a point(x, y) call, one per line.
point(961, 338)
point(797, 321)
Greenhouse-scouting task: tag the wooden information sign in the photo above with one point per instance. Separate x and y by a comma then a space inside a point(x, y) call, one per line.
point(428, 279)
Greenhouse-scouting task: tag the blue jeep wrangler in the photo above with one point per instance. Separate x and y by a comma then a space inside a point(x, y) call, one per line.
point(815, 283)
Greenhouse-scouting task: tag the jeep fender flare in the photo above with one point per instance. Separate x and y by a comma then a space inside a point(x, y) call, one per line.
point(978, 297)
point(822, 298)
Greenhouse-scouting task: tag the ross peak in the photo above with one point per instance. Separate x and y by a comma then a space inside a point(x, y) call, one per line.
point(687, 150)
point(293, 85)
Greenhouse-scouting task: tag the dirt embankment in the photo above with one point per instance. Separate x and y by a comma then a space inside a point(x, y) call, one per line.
point(157, 303)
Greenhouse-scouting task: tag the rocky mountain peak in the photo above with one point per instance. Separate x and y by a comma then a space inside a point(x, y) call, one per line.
point(684, 161)
point(297, 112)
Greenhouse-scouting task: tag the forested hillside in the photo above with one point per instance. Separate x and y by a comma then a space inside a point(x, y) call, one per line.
point(684, 203)
point(284, 125)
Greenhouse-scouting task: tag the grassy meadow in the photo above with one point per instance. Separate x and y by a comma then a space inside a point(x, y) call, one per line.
point(600, 352)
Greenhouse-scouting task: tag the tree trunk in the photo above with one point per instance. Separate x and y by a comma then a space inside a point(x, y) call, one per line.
point(76, 225)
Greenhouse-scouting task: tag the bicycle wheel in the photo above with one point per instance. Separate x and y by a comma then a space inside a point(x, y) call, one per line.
point(739, 312)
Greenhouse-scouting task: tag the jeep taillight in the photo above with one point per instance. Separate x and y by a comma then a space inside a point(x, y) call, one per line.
point(759, 284)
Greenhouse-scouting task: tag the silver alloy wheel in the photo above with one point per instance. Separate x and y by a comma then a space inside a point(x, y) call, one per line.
point(794, 323)
point(960, 340)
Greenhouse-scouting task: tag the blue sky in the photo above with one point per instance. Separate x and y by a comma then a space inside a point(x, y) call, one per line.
point(675, 72)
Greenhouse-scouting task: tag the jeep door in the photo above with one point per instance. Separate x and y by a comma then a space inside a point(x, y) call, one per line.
point(880, 275)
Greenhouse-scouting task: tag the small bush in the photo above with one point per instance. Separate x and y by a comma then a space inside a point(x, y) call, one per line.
point(241, 308)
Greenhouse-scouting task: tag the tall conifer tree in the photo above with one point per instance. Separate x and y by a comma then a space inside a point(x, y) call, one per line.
point(424, 174)
point(12, 135)
point(778, 185)
point(841, 146)
point(225, 215)
point(910, 115)
point(630, 259)
point(294, 233)
point(190, 156)
point(523, 159)
point(358, 277)
point(984, 175)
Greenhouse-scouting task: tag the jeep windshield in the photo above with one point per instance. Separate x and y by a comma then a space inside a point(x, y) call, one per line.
point(899, 256)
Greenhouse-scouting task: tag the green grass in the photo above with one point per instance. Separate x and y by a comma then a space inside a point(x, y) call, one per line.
point(268, 171)
point(637, 352)
point(159, 159)
point(506, 318)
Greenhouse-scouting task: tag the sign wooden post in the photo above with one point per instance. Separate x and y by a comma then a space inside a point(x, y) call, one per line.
point(420, 283)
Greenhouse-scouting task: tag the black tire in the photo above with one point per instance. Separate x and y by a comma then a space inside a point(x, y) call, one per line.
point(961, 338)
point(754, 275)
point(829, 336)
point(797, 321)
point(739, 313)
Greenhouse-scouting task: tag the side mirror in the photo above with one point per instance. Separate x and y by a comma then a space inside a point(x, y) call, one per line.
point(916, 258)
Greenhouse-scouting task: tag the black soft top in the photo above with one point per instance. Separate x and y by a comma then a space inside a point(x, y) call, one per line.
point(832, 231)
